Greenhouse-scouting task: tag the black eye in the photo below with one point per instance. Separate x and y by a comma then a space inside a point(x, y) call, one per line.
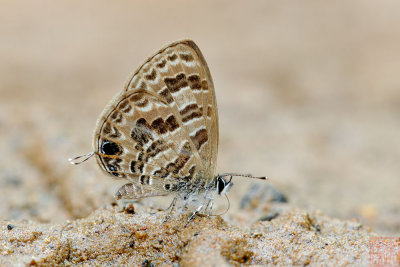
point(109, 148)
point(220, 185)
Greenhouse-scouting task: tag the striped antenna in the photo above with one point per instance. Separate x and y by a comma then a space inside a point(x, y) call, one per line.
point(243, 175)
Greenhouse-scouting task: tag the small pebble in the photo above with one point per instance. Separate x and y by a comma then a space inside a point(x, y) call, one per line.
point(140, 234)
point(147, 263)
point(130, 209)
point(257, 196)
point(269, 216)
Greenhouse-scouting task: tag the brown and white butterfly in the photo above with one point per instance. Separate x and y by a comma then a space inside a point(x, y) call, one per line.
point(161, 131)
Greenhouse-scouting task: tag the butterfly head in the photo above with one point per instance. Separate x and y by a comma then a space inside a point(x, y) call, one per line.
point(222, 185)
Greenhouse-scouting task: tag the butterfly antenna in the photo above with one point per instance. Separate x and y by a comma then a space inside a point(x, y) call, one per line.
point(80, 159)
point(244, 175)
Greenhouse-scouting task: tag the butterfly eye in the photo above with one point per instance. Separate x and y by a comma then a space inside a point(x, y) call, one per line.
point(220, 185)
point(110, 148)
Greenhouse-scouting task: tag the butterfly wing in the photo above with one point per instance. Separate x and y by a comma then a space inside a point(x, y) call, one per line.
point(134, 191)
point(162, 129)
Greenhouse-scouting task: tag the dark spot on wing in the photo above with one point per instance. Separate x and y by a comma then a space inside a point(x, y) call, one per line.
point(152, 76)
point(136, 97)
point(141, 136)
point(171, 167)
point(116, 117)
point(186, 57)
point(161, 64)
point(110, 148)
point(125, 106)
point(141, 166)
point(166, 95)
point(110, 131)
point(192, 116)
point(141, 133)
point(155, 148)
point(162, 173)
point(194, 82)
point(159, 126)
point(190, 112)
point(209, 111)
point(139, 99)
point(132, 166)
point(204, 85)
point(172, 57)
point(181, 160)
point(172, 124)
point(192, 169)
point(144, 179)
point(142, 85)
point(176, 84)
point(199, 138)
point(112, 165)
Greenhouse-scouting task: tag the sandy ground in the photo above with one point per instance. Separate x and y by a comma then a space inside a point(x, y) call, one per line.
point(308, 95)
point(111, 237)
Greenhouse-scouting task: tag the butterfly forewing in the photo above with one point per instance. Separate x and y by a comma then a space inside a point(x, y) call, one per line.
point(162, 129)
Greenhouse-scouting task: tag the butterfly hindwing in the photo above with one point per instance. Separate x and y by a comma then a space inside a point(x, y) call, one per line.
point(134, 191)
point(141, 138)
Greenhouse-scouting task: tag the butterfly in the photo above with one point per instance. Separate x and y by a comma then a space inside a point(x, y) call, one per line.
point(160, 133)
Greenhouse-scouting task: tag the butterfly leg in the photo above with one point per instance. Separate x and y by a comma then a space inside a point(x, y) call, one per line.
point(191, 217)
point(172, 207)
point(209, 207)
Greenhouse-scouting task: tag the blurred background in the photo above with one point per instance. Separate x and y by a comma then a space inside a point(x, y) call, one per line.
point(308, 95)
